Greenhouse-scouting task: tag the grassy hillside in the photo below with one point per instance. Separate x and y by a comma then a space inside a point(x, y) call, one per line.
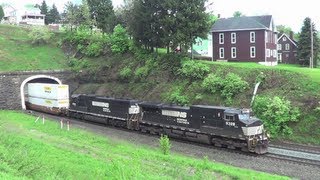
point(155, 77)
point(17, 53)
point(33, 150)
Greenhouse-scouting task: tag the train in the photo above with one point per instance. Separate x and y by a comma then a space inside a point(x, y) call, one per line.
point(232, 128)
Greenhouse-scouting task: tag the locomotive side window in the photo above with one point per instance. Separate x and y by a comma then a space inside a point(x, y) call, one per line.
point(228, 117)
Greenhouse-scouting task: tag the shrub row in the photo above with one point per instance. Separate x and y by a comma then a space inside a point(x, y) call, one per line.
point(94, 44)
point(229, 86)
point(276, 114)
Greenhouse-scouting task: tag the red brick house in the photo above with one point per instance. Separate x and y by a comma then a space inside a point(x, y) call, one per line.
point(287, 49)
point(245, 39)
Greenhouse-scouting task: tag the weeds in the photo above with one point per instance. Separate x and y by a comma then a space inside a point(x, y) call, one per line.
point(165, 144)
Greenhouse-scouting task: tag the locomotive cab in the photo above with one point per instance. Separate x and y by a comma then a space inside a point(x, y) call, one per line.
point(254, 132)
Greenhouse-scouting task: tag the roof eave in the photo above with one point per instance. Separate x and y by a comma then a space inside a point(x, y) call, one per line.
point(249, 29)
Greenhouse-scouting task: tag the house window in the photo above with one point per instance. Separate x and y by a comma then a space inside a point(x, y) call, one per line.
point(221, 53)
point(287, 55)
point(279, 57)
point(279, 47)
point(274, 53)
point(284, 39)
point(287, 46)
point(221, 38)
point(266, 36)
point(252, 37)
point(233, 52)
point(252, 52)
point(233, 38)
point(268, 52)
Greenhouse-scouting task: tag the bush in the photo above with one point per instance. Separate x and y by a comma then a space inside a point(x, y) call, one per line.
point(212, 83)
point(165, 144)
point(229, 87)
point(77, 37)
point(317, 110)
point(40, 35)
point(119, 40)
point(125, 73)
point(94, 49)
point(141, 73)
point(89, 44)
point(276, 113)
point(194, 70)
point(77, 65)
point(170, 62)
point(176, 98)
point(232, 85)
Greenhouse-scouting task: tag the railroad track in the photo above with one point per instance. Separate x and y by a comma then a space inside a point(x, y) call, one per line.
point(297, 160)
point(297, 147)
point(300, 155)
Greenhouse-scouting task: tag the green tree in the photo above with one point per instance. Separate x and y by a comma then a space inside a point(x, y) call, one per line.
point(276, 114)
point(237, 14)
point(78, 16)
point(144, 23)
point(284, 29)
point(304, 44)
point(124, 13)
point(119, 40)
point(1, 13)
point(192, 22)
point(170, 23)
point(83, 15)
point(53, 15)
point(44, 10)
point(103, 14)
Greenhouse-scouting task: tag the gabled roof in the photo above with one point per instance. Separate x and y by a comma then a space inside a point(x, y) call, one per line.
point(292, 40)
point(242, 23)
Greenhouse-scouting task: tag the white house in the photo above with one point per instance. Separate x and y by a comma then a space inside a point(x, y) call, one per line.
point(31, 15)
point(10, 15)
point(27, 14)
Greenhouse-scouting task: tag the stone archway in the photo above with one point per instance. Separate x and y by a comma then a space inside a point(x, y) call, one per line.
point(34, 78)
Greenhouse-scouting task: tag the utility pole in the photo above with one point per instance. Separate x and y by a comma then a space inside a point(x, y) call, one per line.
point(311, 58)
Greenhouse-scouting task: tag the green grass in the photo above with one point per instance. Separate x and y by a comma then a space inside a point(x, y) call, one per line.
point(313, 74)
point(33, 150)
point(17, 53)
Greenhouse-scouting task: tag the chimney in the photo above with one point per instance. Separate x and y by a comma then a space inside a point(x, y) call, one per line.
point(219, 16)
point(291, 35)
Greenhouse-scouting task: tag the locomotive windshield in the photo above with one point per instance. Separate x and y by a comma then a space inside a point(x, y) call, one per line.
point(244, 116)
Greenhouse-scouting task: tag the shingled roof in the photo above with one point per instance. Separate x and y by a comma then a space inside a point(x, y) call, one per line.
point(242, 23)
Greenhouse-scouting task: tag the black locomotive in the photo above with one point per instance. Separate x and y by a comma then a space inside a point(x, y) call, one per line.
point(220, 126)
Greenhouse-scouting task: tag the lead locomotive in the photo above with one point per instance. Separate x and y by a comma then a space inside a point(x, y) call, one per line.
point(220, 126)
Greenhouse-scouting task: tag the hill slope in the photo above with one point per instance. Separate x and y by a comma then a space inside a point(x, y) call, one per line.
point(17, 53)
point(157, 77)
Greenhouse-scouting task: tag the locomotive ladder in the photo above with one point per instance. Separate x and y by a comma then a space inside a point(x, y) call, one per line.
point(133, 122)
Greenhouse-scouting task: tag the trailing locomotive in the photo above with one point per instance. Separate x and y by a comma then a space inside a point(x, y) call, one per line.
point(219, 126)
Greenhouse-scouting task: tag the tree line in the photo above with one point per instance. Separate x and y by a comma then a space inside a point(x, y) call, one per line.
point(160, 23)
point(303, 39)
point(151, 24)
point(52, 14)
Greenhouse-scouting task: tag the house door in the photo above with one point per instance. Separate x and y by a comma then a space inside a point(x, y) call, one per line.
point(279, 57)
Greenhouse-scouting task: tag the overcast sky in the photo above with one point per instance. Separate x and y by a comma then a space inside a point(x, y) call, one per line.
point(285, 12)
